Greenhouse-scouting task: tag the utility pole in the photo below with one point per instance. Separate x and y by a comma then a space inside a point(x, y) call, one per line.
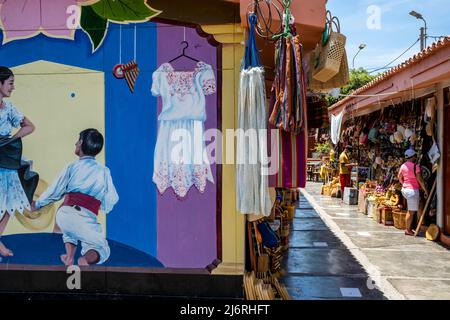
point(423, 30)
point(423, 38)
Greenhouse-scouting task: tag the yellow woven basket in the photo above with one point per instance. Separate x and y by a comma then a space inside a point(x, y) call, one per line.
point(399, 219)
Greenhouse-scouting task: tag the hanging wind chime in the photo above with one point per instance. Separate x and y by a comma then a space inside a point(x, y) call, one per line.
point(129, 71)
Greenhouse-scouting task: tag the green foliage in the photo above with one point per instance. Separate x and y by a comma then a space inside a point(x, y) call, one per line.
point(358, 78)
point(124, 10)
point(96, 17)
point(94, 25)
point(322, 148)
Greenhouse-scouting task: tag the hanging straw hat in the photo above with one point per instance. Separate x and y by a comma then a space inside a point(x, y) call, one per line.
point(408, 133)
point(401, 129)
point(398, 136)
point(392, 139)
point(430, 107)
point(40, 219)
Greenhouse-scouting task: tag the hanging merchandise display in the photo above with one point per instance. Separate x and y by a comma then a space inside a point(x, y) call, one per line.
point(317, 113)
point(330, 53)
point(267, 13)
point(130, 71)
point(252, 182)
point(288, 109)
point(339, 80)
point(290, 157)
point(179, 161)
point(336, 125)
point(289, 86)
point(342, 77)
point(384, 137)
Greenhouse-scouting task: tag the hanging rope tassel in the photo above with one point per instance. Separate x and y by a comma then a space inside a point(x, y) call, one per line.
point(289, 87)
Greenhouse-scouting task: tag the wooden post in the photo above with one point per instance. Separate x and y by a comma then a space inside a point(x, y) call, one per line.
point(430, 196)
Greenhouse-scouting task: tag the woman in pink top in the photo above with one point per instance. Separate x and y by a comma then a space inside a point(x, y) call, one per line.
point(412, 182)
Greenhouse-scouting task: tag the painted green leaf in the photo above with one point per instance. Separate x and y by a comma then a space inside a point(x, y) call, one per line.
point(124, 10)
point(94, 25)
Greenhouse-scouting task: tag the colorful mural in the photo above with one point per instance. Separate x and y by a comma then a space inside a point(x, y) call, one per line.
point(64, 87)
point(22, 19)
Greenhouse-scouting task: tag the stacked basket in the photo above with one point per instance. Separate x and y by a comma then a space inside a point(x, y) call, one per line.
point(399, 219)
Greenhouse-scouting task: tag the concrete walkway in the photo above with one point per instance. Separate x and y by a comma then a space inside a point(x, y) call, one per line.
point(319, 266)
point(334, 247)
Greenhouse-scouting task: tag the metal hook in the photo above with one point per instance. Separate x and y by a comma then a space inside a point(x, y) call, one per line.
point(186, 45)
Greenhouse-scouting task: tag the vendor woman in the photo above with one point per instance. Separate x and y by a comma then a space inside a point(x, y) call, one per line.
point(345, 168)
point(411, 179)
point(12, 195)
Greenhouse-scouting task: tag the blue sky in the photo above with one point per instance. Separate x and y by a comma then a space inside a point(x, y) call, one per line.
point(398, 30)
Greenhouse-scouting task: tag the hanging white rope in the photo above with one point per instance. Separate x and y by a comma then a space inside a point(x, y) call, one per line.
point(120, 44)
point(184, 33)
point(135, 33)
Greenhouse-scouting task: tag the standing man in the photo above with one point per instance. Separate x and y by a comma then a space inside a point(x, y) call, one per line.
point(345, 169)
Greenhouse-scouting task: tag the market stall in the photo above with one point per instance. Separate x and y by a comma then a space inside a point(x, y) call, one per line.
point(379, 142)
point(402, 109)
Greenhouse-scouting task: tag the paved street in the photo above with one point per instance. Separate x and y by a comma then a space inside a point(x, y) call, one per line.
point(337, 253)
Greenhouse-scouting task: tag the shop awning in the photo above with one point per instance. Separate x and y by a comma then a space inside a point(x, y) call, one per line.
point(409, 79)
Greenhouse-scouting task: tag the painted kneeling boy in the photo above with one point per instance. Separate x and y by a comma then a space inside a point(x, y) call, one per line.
point(87, 187)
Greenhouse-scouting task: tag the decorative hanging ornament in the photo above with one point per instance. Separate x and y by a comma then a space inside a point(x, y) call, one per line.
point(129, 71)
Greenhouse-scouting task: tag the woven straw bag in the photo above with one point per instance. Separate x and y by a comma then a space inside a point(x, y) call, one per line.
point(338, 81)
point(328, 62)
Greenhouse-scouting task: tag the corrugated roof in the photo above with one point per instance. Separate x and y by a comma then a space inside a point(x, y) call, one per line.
point(435, 47)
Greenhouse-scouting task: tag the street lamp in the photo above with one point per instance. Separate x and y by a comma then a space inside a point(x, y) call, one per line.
point(361, 46)
point(423, 31)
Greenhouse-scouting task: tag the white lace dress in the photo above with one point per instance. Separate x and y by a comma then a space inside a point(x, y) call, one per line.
point(12, 196)
point(179, 160)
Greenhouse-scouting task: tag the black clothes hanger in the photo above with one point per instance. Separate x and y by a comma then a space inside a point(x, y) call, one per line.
point(184, 54)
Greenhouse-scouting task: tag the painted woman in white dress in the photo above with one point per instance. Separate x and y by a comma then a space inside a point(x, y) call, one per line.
point(12, 195)
point(179, 160)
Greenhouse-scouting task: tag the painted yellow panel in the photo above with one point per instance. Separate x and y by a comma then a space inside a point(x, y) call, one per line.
point(216, 29)
point(233, 222)
point(61, 101)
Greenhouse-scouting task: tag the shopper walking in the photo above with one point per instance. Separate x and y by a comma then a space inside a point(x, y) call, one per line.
point(411, 179)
